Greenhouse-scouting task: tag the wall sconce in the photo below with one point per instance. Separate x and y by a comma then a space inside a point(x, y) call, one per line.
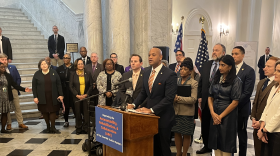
point(224, 30)
point(176, 29)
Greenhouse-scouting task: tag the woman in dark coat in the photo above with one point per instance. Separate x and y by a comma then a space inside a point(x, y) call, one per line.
point(64, 74)
point(6, 95)
point(47, 90)
point(224, 95)
point(81, 86)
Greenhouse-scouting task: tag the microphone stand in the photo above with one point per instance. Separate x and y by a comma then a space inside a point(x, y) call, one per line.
point(89, 111)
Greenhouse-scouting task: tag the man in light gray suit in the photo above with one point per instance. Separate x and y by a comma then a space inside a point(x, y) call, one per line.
point(94, 69)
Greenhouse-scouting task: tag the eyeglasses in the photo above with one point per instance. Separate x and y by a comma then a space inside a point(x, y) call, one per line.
point(114, 57)
point(66, 58)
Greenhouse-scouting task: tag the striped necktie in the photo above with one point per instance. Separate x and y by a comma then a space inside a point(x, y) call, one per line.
point(177, 68)
point(151, 80)
point(213, 73)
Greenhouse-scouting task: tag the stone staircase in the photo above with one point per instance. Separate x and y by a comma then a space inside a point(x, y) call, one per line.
point(29, 46)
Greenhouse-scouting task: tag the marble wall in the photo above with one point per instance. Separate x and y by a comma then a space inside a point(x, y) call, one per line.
point(44, 14)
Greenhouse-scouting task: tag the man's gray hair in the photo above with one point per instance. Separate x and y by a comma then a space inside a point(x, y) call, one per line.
point(165, 62)
point(93, 53)
point(224, 48)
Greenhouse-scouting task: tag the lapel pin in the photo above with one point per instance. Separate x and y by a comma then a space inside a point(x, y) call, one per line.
point(161, 73)
point(159, 83)
point(95, 68)
point(242, 68)
point(141, 75)
point(53, 73)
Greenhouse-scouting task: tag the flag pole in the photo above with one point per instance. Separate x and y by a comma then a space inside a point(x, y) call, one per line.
point(183, 26)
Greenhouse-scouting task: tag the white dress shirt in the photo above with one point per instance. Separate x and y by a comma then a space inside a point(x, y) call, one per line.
point(85, 59)
point(238, 67)
point(1, 44)
point(270, 80)
point(271, 113)
point(157, 69)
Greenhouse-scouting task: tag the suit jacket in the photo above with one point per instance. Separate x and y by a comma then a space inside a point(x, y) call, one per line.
point(53, 67)
point(119, 68)
point(7, 48)
point(261, 63)
point(60, 46)
point(162, 95)
point(38, 86)
point(11, 83)
point(204, 84)
point(247, 76)
point(88, 60)
point(172, 66)
point(127, 85)
point(271, 113)
point(74, 84)
point(15, 75)
point(261, 99)
point(98, 69)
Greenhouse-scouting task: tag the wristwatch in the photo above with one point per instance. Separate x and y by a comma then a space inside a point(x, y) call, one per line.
point(262, 131)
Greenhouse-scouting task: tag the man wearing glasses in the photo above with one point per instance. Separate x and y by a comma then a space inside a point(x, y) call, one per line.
point(118, 67)
point(180, 55)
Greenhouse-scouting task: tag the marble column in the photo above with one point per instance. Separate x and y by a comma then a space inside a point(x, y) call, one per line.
point(151, 26)
point(276, 31)
point(118, 39)
point(266, 26)
point(93, 27)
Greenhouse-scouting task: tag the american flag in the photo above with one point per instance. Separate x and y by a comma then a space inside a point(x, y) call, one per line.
point(202, 53)
point(178, 43)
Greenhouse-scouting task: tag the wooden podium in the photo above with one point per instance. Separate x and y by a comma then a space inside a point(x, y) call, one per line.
point(138, 134)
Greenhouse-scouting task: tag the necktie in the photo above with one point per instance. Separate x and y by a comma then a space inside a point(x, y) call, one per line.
point(265, 83)
point(267, 57)
point(151, 80)
point(84, 61)
point(93, 69)
point(134, 80)
point(177, 68)
point(213, 73)
point(55, 39)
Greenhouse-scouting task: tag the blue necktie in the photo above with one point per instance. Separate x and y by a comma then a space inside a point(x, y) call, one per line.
point(213, 73)
point(265, 83)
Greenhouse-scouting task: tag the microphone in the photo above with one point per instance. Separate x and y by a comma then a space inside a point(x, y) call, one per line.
point(129, 93)
point(124, 81)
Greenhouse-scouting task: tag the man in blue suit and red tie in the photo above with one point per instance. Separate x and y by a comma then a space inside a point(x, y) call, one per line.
point(159, 88)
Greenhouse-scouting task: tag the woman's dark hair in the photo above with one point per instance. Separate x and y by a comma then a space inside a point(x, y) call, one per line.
point(227, 59)
point(188, 59)
point(187, 64)
point(76, 63)
point(105, 61)
point(40, 62)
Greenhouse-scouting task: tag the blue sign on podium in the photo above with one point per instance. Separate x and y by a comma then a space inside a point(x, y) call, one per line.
point(109, 128)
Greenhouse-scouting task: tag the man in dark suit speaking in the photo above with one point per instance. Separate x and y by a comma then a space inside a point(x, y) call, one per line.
point(160, 88)
point(5, 46)
point(247, 76)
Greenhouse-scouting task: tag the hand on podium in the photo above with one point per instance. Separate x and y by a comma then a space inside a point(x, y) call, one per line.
point(129, 106)
point(144, 110)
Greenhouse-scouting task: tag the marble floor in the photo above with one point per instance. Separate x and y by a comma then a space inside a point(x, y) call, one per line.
point(34, 142)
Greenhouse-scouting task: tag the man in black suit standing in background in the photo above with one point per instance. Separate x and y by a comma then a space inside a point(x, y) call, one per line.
point(5, 46)
point(180, 56)
point(159, 88)
point(136, 85)
point(118, 67)
point(94, 69)
point(247, 76)
point(262, 61)
point(208, 71)
point(85, 58)
point(56, 46)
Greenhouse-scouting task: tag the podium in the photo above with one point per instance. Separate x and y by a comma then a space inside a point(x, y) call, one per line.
point(138, 134)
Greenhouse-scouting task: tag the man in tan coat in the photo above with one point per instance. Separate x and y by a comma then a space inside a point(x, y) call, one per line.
point(262, 93)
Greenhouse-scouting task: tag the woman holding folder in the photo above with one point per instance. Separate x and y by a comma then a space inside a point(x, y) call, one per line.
point(184, 110)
